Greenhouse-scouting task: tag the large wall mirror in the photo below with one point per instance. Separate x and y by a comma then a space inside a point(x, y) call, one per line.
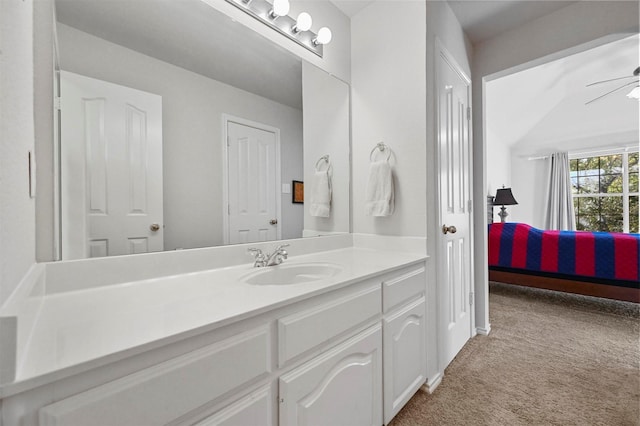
point(181, 128)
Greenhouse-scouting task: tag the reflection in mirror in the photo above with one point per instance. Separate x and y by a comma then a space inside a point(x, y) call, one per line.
point(183, 129)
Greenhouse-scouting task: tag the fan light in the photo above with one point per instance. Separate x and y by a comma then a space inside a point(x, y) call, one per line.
point(635, 93)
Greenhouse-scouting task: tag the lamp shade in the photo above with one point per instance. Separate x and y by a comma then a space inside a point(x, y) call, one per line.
point(504, 197)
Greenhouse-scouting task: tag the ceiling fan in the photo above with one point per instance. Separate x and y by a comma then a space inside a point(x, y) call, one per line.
point(630, 83)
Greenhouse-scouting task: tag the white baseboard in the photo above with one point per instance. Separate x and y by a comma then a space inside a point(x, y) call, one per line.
point(484, 330)
point(433, 383)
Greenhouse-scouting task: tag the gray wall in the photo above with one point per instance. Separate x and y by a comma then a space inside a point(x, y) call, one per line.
point(388, 104)
point(326, 132)
point(192, 131)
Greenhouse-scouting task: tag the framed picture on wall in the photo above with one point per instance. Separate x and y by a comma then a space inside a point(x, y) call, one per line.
point(297, 192)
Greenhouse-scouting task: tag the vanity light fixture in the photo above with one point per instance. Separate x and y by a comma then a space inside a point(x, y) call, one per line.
point(280, 8)
point(276, 16)
point(303, 23)
point(324, 36)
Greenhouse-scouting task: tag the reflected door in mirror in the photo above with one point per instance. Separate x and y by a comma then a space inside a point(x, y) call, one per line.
point(111, 169)
point(253, 171)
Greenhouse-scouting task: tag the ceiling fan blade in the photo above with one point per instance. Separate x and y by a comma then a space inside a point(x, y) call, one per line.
point(611, 91)
point(611, 79)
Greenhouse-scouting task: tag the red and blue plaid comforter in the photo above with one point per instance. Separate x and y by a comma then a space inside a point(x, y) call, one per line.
point(605, 257)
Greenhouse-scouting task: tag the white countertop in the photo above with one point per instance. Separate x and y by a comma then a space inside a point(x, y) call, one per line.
point(78, 330)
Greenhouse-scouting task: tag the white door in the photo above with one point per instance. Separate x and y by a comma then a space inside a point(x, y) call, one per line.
point(111, 169)
point(342, 387)
point(253, 169)
point(454, 151)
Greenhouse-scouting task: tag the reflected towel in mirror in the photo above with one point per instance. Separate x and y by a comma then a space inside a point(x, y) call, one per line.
point(379, 200)
point(321, 194)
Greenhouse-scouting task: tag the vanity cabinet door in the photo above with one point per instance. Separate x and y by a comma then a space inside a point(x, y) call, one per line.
point(404, 355)
point(343, 386)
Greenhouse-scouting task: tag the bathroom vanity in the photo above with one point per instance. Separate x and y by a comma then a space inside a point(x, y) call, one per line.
point(343, 342)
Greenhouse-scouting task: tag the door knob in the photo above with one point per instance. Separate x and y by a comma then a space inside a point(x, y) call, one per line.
point(273, 221)
point(154, 227)
point(445, 229)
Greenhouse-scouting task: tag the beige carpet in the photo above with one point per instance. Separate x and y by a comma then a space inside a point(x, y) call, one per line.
point(550, 359)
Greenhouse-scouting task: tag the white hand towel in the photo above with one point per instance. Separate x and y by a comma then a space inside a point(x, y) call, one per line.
point(321, 194)
point(379, 198)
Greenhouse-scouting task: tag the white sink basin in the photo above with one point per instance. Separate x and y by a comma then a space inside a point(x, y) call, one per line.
point(299, 273)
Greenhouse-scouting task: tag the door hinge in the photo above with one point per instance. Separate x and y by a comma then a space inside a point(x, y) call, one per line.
point(470, 299)
point(468, 113)
point(470, 206)
point(56, 102)
point(228, 141)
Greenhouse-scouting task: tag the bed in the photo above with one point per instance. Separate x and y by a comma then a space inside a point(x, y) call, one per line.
point(601, 264)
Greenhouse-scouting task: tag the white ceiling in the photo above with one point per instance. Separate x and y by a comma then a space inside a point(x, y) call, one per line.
point(194, 36)
point(351, 7)
point(543, 107)
point(482, 19)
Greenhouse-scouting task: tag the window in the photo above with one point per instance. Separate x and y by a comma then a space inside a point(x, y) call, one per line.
point(605, 192)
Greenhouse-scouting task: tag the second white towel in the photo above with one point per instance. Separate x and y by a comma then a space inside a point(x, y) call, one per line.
point(379, 198)
point(321, 194)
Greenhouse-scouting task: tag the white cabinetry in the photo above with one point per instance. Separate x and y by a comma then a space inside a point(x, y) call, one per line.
point(404, 340)
point(340, 387)
point(351, 356)
point(169, 390)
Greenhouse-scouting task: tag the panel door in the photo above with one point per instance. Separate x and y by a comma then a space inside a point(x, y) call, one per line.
point(252, 178)
point(342, 387)
point(405, 366)
point(454, 150)
point(111, 169)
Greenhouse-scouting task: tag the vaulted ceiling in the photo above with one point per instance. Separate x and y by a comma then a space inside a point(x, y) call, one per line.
point(545, 106)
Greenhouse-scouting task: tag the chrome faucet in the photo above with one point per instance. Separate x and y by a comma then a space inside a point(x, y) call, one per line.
point(277, 257)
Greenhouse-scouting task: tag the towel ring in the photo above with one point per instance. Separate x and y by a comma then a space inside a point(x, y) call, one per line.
point(382, 147)
point(324, 158)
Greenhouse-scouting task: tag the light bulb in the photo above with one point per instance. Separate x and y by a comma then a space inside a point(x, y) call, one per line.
point(635, 93)
point(303, 23)
point(280, 8)
point(324, 36)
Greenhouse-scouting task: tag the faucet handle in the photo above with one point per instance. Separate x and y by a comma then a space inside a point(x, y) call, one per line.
point(280, 247)
point(256, 252)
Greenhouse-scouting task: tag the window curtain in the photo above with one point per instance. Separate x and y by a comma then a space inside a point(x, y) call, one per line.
point(559, 212)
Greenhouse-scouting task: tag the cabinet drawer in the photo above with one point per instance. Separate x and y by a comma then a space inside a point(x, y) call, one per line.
point(254, 409)
point(164, 392)
point(401, 288)
point(314, 327)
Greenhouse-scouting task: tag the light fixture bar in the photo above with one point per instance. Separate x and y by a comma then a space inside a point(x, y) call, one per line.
point(261, 10)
